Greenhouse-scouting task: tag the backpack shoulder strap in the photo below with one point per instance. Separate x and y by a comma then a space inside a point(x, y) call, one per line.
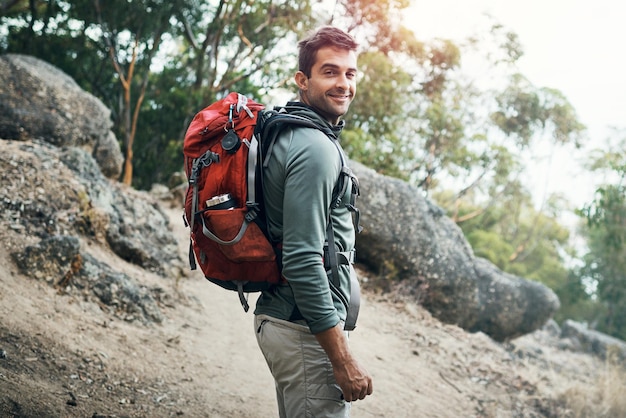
point(270, 124)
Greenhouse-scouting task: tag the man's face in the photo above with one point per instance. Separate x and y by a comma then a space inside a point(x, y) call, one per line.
point(332, 85)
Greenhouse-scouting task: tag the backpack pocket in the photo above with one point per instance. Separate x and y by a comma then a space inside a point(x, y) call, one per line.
point(239, 240)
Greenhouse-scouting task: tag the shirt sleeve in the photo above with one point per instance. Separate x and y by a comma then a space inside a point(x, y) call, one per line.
point(312, 169)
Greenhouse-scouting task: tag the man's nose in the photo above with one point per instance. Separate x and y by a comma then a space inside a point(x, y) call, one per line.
point(343, 82)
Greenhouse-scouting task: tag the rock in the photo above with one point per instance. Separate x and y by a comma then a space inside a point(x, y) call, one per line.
point(122, 293)
point(593, 342)
point(39, 101)
point(423, 253)
point(51, 259)
point(71, 196)
point(510, 306)
point(58, 260)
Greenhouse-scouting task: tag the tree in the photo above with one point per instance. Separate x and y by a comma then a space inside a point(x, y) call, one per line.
point(424, 120)
point(216, 47)
point(212, 47)
point(376, 122)
point(605, 261)
point(229, 43)
point(132, 33)
point(48, 31)
point(125, 34)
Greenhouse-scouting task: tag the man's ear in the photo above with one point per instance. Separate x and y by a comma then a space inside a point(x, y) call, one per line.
point(302, 80)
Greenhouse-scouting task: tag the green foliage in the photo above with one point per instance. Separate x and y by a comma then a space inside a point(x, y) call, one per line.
point(228, 42)
point(442, 142)
point(491, 246)
point(605, 230)
point(50, 33)
point(515, 237)
point(576, 301)
point(608, 211)
point(159, 149)
point(523, 110)
point(443, 56)
point(230, 46)
point(402, 123)
point(378, 23)
point(605, 263)
point(376, 121)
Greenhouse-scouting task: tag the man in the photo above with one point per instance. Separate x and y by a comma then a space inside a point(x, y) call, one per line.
point(300, 324)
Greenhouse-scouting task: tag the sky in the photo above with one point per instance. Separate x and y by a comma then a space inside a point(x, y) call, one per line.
point(575, 46)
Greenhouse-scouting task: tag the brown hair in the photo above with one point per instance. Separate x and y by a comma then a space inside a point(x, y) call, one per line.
point(323, 37)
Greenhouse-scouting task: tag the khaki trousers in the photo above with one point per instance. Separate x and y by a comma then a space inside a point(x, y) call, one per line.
point(305, 384)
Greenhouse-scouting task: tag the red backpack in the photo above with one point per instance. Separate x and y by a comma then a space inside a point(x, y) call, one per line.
point(223, 150)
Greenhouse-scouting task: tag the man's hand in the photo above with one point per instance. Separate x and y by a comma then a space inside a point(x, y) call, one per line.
point(355, 382)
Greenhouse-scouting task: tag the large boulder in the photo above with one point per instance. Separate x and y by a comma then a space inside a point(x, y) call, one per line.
point(39, 101)
point(508, 305)
point(48, 191)
point(411, 241)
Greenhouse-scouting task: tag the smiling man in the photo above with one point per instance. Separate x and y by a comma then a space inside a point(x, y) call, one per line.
point(302, 324)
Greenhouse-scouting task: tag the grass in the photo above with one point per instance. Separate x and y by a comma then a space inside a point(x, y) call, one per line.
point(604, 398)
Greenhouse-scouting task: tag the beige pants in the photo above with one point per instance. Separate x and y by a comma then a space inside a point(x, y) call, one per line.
point(305, 384)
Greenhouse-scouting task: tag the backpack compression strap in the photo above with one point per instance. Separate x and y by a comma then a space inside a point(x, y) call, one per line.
point(198, 164)
point(346, 258)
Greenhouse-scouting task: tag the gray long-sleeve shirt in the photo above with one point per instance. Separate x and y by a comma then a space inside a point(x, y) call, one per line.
point(298, 184)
